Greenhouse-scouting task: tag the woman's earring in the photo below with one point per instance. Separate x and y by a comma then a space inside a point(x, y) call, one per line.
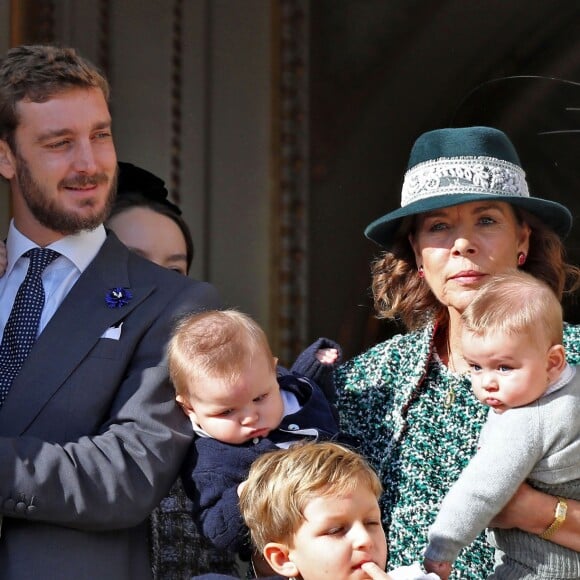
point(521, 258)
point(421, 272)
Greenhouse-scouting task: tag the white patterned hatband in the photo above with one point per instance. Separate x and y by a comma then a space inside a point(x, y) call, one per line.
point(463, 175)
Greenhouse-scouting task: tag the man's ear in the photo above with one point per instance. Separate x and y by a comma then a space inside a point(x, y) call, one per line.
point(7, 161)
point(277, 555)
point(556, 361)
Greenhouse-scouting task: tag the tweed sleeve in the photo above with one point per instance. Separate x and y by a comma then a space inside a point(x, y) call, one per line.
point(572, 343)
point(374, 388)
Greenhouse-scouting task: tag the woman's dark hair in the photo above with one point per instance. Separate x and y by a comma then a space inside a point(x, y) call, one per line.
point(137, 187)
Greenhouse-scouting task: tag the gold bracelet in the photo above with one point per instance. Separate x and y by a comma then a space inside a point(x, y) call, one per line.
point(559, 519)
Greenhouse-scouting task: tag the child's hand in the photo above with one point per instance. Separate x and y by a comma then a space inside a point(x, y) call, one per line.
point(3, 258)
point(240, 487)
point(374, 571)
point(442, 569)
point(327, 356)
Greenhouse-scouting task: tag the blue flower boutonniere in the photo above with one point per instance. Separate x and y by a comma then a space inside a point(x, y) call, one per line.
point(118, 297)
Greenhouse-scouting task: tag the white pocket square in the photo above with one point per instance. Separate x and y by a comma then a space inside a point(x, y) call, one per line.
point(114, 332)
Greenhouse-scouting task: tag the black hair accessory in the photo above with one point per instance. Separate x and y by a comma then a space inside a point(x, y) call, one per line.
point(133, 179)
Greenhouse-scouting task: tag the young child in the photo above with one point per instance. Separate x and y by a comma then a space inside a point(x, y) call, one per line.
point(226, 381)
point(313, 512)
point(512, 341)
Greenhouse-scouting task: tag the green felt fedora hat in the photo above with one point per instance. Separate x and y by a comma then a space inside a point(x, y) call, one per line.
point(449, 167)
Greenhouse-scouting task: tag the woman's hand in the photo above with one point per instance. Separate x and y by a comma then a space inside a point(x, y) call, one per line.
point(528, 510)
point(532, 511)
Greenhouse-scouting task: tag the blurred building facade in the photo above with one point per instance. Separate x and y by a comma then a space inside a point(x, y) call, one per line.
point(282, 127)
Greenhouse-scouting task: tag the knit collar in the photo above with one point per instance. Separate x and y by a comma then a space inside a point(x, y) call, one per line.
point(565, 377)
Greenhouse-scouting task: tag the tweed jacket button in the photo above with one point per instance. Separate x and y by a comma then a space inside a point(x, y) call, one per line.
point(9, 505)
point(20, 507)
point(31, 509)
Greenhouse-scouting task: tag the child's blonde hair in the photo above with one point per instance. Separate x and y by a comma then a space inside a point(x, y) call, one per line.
point(216, 344)
point(515, 303)
point(282, 482)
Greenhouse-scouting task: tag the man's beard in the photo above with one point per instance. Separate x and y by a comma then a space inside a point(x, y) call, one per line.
point(48, 212)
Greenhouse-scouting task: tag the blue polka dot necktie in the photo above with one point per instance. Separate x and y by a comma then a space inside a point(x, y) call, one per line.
point(22, 325)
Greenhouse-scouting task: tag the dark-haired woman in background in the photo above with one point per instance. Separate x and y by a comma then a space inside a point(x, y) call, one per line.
point(147, 222)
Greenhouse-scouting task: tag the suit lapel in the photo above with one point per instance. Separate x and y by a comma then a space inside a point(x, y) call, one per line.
point(72, 332)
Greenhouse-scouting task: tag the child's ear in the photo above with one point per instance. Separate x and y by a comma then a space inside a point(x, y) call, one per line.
point(185, 405)
point(7, 163)
point(277, 556)
point(556, 361)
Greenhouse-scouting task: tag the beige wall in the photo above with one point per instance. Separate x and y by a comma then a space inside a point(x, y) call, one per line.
point(4, 44)
point(225, 122)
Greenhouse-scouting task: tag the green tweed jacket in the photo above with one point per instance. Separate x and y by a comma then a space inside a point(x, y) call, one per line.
point(418, 425)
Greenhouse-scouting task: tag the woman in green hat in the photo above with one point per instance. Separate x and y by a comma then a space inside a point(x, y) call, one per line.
point(465, 214)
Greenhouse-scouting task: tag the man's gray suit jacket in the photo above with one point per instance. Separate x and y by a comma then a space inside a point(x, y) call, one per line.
point(90, 435)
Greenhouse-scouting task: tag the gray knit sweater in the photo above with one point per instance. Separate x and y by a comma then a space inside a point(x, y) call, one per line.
point(539, 443)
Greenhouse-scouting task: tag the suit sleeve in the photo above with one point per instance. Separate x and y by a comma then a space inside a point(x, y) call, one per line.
point(113, 476)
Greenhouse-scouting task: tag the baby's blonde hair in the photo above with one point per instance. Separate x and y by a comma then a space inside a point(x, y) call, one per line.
point(214, 344)
point(515, 303)
point(282, 482)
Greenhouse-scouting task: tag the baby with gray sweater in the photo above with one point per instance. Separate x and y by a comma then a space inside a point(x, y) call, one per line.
point(512, 342)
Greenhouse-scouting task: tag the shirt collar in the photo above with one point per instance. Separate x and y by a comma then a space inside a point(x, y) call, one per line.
point(79, 248)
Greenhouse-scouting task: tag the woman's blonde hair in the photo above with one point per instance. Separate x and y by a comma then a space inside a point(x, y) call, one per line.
point(399, 293)
point(282, 482)
point(215, 344)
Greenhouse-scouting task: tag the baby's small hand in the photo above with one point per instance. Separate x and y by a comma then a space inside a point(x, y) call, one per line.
point(442, 569)
point(327, 356)
point(240, 487)
point(3, 258)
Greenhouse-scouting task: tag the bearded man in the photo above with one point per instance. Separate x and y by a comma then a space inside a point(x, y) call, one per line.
point(90, 436)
